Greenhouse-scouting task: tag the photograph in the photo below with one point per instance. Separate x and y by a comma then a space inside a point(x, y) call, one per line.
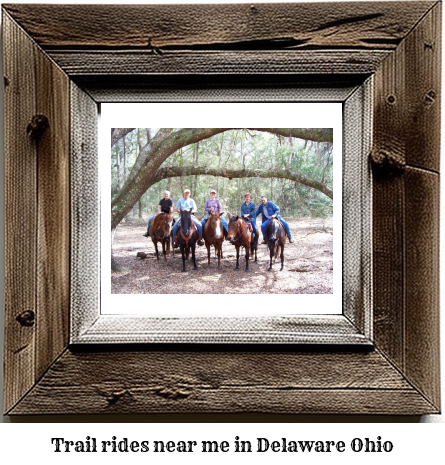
point(223, 202)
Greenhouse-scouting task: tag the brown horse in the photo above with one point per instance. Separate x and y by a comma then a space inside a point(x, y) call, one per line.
point(187, 237)
point(239, 235)
point(159, 231)
point(253, 241)
point(213, 234)
point(276, 239)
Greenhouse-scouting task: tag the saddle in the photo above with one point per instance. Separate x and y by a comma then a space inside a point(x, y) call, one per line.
point(249, 224)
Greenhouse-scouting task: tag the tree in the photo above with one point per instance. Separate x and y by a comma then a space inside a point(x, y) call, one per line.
point(159, 147)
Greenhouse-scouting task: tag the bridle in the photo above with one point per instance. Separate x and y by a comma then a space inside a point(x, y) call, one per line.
point(240, 236)
point(213, 231)
point(159, 237)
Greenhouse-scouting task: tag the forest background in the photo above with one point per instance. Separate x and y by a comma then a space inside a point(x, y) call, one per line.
point(292, 167)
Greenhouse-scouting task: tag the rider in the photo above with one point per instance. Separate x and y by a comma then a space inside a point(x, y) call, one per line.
point(269, 210)
point(214, 205)
point(165, 206)
point(184, 204)
point(248, 211)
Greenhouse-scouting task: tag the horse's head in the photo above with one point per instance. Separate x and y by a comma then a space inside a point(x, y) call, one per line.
point(272, 230)
point(186, 221)
point(233, 226)
point(167, 226)
point(215, 224)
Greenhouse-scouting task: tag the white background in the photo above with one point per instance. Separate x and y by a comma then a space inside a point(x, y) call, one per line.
point(221, 115)
point(413, 443)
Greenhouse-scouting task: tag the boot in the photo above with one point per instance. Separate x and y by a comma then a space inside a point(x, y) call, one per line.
point(291, 241)
point(146, 234)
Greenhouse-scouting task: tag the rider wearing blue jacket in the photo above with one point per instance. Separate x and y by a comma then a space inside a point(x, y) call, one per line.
point(268, 211)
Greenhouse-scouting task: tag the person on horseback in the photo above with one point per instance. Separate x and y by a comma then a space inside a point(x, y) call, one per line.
point(269, 210)
point(248, 211)
point(214, 205)
point(165, 206)
point(184, 204)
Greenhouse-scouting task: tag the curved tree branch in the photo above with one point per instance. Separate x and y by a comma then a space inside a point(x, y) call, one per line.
point(174, 171)
point(168, 141)
point(118, 133)
point(316, 134)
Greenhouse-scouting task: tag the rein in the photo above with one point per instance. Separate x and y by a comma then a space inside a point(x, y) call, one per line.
point(240, 237)
point(159, 237)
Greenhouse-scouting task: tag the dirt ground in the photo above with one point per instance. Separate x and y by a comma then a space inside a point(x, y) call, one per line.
point(308, 265)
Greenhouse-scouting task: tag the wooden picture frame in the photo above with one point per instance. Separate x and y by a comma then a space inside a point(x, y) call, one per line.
point(56, 72)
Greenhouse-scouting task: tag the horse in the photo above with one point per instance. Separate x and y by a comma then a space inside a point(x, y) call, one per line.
point(276, 239)
point(160, 229)
point(213, 234)
point(240, 236)
point(253, 241)
point(187, 237)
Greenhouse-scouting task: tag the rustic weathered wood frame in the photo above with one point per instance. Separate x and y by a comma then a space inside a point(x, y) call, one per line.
point(76, 56)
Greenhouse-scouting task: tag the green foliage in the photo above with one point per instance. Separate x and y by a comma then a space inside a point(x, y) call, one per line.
point(236, 149)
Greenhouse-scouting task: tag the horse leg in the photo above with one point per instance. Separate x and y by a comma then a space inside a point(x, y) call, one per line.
point(164, 251)
point(271, 254)
point(247, 256)
point(219, 255)
point(183, 257)
point(208, 252)
point(282, 256)
point(237, 258)
point(156, 247)
point(193, 257)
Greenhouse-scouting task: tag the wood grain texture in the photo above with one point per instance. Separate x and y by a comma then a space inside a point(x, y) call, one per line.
point(79, 63)
point(406, 208)
point(154, 27)
point(423, 91)
point(222, 382)
point(53, 228)
point(422, 281)
point(20, 212)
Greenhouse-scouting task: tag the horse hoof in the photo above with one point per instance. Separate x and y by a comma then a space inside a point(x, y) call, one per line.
point(195, 268)
point(247, 270)
point(236, 269)
point(270, 269)
point(183, 271)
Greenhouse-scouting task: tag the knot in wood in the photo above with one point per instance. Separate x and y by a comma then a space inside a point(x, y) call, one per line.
point(430, 97)
point(26, 318)
point(37, 126)
point(387, 162)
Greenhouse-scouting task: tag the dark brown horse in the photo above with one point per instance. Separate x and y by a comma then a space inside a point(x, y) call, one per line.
point(187, 237)
point(239, 235)
point(159, 231)
point(213, 234)
point(276, 238)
